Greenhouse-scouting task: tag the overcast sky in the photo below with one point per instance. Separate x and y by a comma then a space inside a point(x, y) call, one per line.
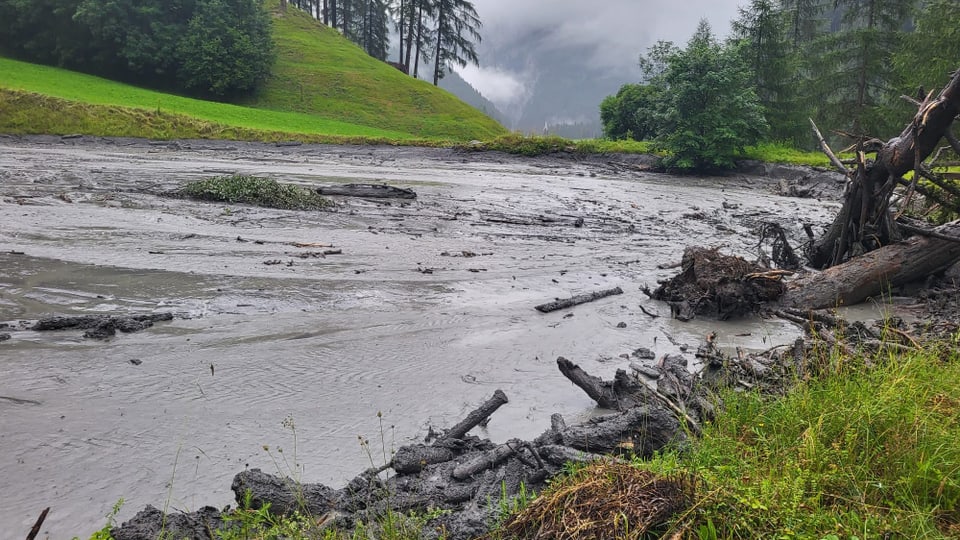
point(614, 31)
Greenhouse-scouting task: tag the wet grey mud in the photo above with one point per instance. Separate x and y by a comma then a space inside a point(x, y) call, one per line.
point(414, 308)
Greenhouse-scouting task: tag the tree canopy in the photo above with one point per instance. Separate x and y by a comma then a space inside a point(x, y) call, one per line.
point(844, 63)
point(210, 48)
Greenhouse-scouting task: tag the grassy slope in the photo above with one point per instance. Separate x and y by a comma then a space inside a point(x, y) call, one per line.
point(319, 72)
point(348, 96)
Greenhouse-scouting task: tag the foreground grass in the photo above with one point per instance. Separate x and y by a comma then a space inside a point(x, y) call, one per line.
point(858, 454)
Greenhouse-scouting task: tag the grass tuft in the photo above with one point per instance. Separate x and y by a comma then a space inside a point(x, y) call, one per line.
point(256, 191)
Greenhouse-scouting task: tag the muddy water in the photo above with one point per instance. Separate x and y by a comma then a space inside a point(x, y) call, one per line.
point(400, 323)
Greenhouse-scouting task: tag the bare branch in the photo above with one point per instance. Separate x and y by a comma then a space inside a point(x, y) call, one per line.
point(826, 150)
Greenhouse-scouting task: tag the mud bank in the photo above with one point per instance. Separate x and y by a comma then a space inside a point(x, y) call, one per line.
point(426, 309)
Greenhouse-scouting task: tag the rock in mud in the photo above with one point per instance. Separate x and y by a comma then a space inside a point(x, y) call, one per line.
point(4, 337)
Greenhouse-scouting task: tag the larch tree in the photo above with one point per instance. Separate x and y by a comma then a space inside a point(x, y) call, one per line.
point(458, 29)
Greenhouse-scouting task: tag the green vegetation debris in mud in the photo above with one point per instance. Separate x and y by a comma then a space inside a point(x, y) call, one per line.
point(256, 191)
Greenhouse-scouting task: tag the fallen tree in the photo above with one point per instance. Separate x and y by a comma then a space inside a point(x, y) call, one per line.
point(866, 221)
point(875, 273)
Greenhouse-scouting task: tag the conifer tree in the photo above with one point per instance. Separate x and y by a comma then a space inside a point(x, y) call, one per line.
point(458, 28)
point(761, 35)
point(854, 78)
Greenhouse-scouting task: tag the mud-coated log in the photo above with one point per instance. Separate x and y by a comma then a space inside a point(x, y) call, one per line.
point(486, 460)
point(641, 430)
point(620, 394)
point(558, 455)
point(476, 416)
point(874, 273)
point(577, 300)
point(368, 191)
point(414, 458)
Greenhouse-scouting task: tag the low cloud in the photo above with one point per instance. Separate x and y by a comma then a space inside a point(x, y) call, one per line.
point(504, 88)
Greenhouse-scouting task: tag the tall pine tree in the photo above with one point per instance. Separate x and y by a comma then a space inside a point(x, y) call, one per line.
point(854, 76)
point(458, 28)
point(761, 35)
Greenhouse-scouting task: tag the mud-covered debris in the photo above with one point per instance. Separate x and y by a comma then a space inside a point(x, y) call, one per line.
point(4, 337)
point(100, 326)
point(152, 523)
point(717, 285)
point(368, 191)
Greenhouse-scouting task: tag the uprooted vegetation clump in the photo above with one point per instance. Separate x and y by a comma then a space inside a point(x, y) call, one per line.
point(605, 499)
point(254, 190)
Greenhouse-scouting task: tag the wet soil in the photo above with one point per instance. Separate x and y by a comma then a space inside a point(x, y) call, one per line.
point(416, 309)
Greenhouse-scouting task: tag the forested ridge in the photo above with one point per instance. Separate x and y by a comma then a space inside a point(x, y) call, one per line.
point(847, 64)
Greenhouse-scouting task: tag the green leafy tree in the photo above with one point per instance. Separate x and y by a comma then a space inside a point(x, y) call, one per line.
point(458, 29)
point(45, 31)
point(629, 114)
point(710, 110)
point(227, 49)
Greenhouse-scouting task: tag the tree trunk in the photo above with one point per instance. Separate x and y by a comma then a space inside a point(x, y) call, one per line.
point(865, 222)
point(436, 66)
point(406, 61)
point(400, 32)
point(416, 60)
point(874, 273)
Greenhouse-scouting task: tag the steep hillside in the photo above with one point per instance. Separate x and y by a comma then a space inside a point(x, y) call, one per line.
point(320, 72)
point(323, 89)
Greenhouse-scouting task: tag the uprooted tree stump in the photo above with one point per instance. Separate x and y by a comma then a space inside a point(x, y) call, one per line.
point(722, 286)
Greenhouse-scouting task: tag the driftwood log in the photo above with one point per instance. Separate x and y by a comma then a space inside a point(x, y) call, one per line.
point(564, 303)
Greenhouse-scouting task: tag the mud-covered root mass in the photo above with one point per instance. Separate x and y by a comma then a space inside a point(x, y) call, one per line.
point(716, 285)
